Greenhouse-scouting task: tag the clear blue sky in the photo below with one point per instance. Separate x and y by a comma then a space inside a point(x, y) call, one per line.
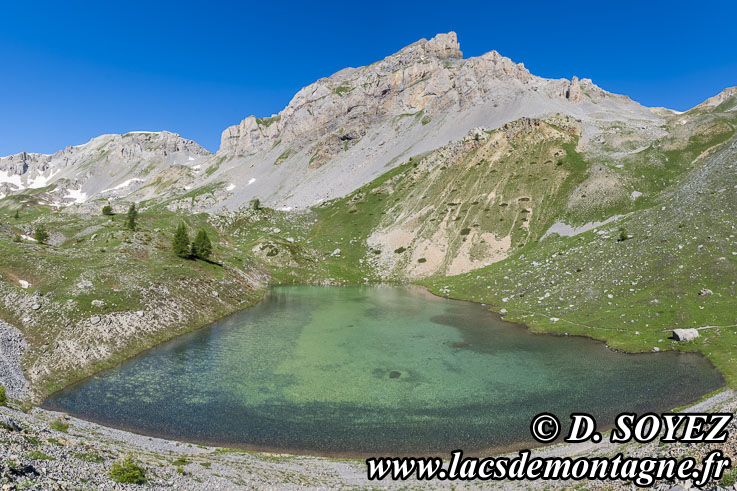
point(72, 70)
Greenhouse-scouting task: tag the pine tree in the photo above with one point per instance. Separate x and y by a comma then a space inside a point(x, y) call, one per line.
point(107, 210)
point(41, 235)
point(256, 204)
point(132, 215)
point(181, 241)
point(17, 215)
point(201, 246)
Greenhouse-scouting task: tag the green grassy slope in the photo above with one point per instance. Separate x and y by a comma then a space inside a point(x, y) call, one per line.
point(633, 292)
point(93, 267)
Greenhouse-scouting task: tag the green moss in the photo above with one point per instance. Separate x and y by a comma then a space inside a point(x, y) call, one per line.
point(266, 122)
point(342, 89)
point(35, 455)
point(89, 457)
point(59, 425)
point(284, 156)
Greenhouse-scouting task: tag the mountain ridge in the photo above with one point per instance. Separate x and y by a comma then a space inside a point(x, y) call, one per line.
point(335, 135)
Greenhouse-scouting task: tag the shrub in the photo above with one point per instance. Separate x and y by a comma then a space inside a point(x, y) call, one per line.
point(3, 397)
point(465, 231)
point(729, 478)
point(127, 471)
point(41, 235)
point(422, 260)
point(59, 425)
point(400, 250)
point(181, 241)
point(107, 210)
point(256, 204)
point(16, 238)
point(622, 235)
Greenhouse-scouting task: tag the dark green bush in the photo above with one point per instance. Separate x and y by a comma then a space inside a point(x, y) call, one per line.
point(127, 471)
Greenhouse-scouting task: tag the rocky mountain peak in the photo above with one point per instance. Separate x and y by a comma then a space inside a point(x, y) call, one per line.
point(444, 46)
point(719, 98)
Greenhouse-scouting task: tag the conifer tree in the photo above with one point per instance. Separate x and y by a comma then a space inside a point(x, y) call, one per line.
point(181, 241)
point(132, 215)
point(201, 245)
point(41, 235)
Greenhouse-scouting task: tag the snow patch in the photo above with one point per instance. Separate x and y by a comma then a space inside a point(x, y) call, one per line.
point(13, 179)
point(565, 230)
point(41, 181)
point(122, 185)
point(251, 181)
point(77, 195)
point(230, 187)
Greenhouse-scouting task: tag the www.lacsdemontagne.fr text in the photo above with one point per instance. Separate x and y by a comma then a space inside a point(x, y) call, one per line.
point(640, 471)
point(545, 428)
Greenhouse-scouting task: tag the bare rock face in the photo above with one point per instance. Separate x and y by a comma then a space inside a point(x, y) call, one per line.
point(574, 93)
point(428, 76)
point(444, 46)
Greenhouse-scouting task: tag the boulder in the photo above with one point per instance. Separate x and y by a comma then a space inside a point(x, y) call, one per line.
point(685, 334)
point(706, 291)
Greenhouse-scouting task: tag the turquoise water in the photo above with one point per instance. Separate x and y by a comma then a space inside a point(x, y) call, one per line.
point(382, 370)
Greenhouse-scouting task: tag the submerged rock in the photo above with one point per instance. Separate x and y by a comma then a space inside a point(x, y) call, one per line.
point(395, 374)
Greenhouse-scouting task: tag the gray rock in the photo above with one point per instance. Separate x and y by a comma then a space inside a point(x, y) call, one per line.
point(685, 334)
point(84, 284)
point(95, 319)
point(35, 306)
point(12, 348)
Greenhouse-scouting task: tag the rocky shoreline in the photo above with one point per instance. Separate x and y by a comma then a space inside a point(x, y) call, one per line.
point(43, 449)
point(12, 348)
